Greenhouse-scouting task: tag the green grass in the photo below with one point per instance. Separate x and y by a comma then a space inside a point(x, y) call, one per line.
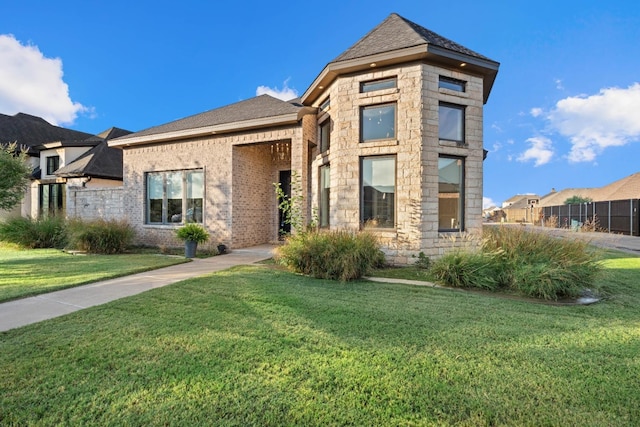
point(35, 271)
point(260, 346)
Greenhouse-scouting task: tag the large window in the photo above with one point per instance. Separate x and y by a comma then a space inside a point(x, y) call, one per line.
point(451, 122)
point(378, 122)
point(52, 199)
point(53, 164)
point(325, 135)
point(175, 197)
point(377, 194)
point(325, 191)
point(450, 193)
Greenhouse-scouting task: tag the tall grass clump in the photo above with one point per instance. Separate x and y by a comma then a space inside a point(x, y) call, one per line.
point(45, 232)
point(533, 264)
point(100, 236)
point(336, 255)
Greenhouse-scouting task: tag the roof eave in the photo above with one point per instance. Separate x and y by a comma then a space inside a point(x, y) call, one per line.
point(488, 69)
point(285, 119)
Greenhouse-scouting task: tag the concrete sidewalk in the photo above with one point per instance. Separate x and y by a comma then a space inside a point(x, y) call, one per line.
point(21, 312)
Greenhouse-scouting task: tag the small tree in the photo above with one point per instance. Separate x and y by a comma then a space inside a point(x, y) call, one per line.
point(576, 200)
point(14, 175)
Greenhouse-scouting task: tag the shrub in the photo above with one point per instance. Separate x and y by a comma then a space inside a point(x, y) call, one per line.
point(531, 263)
point(100, 236)
point(192, 232)
point(46, 232)
point(337, 255)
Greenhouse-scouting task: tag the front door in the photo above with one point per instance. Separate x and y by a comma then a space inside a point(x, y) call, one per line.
point(285, 185)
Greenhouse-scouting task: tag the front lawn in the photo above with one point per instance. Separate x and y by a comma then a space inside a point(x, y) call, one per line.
point(25, 272)
point(259, 346)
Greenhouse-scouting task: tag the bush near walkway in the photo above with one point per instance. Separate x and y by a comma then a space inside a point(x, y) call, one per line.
point(530, 263)
point(337, 255)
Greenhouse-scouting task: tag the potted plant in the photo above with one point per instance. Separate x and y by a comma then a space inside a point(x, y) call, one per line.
point(192, 234)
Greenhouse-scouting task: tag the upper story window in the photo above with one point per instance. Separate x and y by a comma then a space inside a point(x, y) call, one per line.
point(378, 85)
point(325, 104)
point(174, 197)
point(377, 122)
point(325, 135)
point(452, 84)
point(451, 122)
point(53, 164)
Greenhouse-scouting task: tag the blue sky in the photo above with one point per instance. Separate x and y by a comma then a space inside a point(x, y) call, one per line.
point(564, 111)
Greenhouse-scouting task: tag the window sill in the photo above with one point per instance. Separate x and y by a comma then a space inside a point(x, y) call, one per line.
point(380, 143)
point(449, 143)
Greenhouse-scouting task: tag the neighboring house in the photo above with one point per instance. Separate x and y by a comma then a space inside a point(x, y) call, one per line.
point(521, 208)
point(388, 137)
point(61, 159)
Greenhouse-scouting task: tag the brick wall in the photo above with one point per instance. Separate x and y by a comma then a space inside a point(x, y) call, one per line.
point(239, 202)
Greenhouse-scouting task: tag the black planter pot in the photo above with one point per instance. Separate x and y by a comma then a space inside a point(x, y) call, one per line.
point(190, 247)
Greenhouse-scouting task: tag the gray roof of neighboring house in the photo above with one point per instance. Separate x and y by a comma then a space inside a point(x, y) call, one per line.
point(33, 131)
point(100, 161)
point(262, 106)
point(396, 33)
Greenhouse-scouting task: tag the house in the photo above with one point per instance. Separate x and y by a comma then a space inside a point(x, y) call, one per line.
point(388, 137)
point(61, 159)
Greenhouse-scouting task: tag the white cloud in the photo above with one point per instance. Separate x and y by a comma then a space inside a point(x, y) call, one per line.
point(541, 151)
point(33, 84)
point(487, 203)
point(559, 85)
point(285, 94)
point(535, 112)
point(593, 123)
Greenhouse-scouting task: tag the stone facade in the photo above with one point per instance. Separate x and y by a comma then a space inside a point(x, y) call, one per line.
point(243, 148)
point(416, 148)
point(95, 203)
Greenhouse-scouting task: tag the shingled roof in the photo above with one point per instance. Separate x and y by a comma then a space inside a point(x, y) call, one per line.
point(260, 107)
point(100, 161)
point(397, 40)
point(33, 131)
point(395, 33)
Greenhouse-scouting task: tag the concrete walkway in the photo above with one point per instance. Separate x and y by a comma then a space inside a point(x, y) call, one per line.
point(21, 312)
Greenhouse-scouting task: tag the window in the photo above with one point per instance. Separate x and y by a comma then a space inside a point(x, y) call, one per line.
point(325, 135)
point(52, 198)
point(53, 164)
point(378, 188)
point(378, 85)
point(451, 122)
point(170, 194)
point(325, 189)
point(450, 193)
point(452, 84)
point(325, 104)
point(377, 122)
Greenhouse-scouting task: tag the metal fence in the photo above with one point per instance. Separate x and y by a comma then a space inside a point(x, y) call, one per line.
point(613, 216)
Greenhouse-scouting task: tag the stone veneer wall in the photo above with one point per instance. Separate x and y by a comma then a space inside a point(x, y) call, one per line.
point(416, 148)
point(239, 201)
point(95, 203)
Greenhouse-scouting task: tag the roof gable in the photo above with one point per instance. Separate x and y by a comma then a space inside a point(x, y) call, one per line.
point(100, 162)
point(395, 33)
